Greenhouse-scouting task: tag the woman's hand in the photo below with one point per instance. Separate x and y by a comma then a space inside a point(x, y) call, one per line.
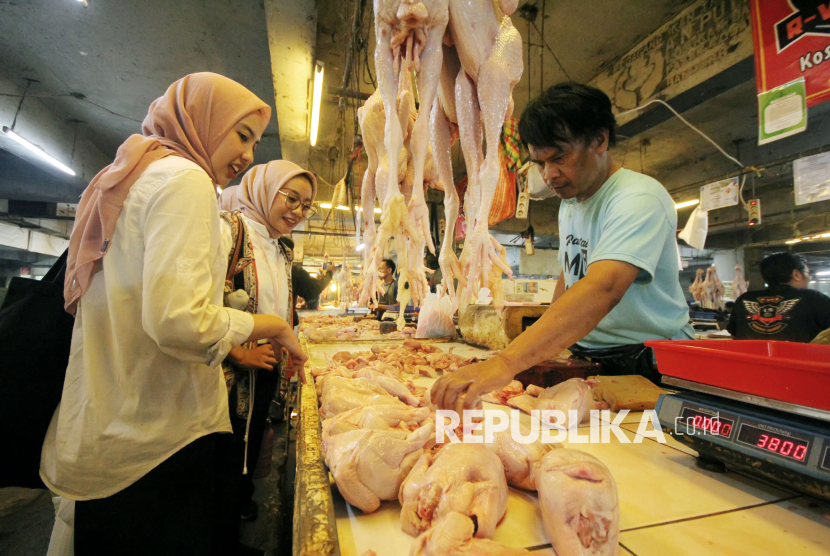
point(461, 390)
point(297, 357)
point(260, 357)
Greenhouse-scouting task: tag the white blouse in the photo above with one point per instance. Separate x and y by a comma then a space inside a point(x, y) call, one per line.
point(143, 379)
point(272, 279)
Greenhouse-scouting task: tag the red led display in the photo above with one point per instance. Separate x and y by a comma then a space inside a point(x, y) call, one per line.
point(792, 448)
point(714, 425)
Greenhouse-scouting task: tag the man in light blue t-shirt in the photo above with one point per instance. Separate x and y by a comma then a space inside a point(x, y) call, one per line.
point(619, 285)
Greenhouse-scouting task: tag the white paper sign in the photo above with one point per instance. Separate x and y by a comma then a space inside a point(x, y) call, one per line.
point(720, 194)
point(811, 177)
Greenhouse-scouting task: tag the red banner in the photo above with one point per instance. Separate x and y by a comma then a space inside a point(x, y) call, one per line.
point(792, 40)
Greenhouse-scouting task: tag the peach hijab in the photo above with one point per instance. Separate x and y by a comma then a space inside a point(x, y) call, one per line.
point(190, 120)
point(258, 190)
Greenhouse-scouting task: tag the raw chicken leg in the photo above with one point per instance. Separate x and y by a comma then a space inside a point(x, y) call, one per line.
point(465, 478)
point(452, 535)
point(369, 465)
point(579, 503)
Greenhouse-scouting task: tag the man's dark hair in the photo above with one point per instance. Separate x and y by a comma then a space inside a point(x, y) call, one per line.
point(287, 241)
point(777, 269)
point(390, 263)
point(566, 113)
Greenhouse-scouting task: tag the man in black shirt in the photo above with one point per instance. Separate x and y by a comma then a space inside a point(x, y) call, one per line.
point(786, 310)
point(303, 285)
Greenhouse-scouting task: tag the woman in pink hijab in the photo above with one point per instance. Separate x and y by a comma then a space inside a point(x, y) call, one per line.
point(271, 201)
point(134, 441)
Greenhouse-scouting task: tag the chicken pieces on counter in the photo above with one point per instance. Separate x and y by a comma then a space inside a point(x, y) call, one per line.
point(452, 535)
point(579, 502)
point(574, 394)
point(464, 478)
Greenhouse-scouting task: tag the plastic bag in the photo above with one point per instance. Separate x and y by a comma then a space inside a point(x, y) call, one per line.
point(435, 318)
point(62, 542)
point(694, 234)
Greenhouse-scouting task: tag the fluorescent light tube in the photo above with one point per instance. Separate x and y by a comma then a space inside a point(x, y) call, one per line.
point(686, 204)
point(315, 101)
point(325, 205)
point(341, 207)
point(38, 151)
point(377, 211)
point(359, 247)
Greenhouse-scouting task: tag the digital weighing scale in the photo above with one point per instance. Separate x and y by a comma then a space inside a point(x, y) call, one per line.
point(776, 441)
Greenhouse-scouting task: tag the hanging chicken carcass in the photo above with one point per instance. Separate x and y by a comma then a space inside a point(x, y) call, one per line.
point(488, 49)
point(739, 284)
point(409, 36)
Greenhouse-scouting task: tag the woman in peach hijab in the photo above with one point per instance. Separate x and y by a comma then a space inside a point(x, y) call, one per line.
point(271, 201)
point(134, 440)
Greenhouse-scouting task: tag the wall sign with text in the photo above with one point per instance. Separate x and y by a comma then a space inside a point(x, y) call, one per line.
point(792, 40)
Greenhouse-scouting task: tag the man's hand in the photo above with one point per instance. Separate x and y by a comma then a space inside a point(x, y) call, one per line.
point(461, 389)
point(261, 357)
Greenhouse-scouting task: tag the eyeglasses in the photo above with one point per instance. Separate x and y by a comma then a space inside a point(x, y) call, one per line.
point(292, 202)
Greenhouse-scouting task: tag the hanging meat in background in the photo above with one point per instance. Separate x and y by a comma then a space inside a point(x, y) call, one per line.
point(739, 284)
point(409, 37)
point(696, 289)
point(451, 45)
point(713, 290)
point(490, 50)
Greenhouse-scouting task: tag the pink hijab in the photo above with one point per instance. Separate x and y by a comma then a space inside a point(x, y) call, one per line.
point(227, 199)
point(257, 192)
point(190, 120)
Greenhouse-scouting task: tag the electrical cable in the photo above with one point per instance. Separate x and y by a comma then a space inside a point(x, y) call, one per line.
point(696, 130)
point(20, 104)
point(555, 57)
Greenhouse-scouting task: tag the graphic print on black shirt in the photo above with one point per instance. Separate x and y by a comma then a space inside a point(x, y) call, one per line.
point(769, 315)
point(576, 264)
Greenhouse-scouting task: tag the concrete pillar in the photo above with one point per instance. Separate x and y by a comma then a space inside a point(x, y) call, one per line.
point(292, 31)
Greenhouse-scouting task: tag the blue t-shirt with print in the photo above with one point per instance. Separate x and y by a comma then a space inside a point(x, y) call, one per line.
point(631, 218)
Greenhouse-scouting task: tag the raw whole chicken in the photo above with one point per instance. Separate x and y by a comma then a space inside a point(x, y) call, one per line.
point(452, 535)
point(573, 394)
point(488, 50)
point(377, 417)
point(465, 478)
point(579, 502)
point(342, 394)
point(369, 465)
point(739, 284)
point(411, 32)
point(520, 461)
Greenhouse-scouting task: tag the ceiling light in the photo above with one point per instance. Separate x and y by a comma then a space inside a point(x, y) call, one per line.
point(342, 207)
point(816, 237)
point(825, 235)
point(325, 205)
point(334, 286)
point(315, 101)
point(792, 241)
point(377, 211)
point(359, 247)
point(38, 151)
point(823, 273)
point(358, 209)
point(806, 238)
point(685, 204)
point(83, 3)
